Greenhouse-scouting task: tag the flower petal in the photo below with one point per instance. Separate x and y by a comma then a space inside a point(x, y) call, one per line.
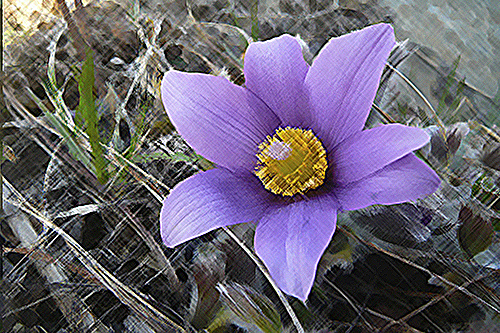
point(368, 151)
point(275, 71)
point(210, 200)
point(407, 179)
point(291, 239)
point(343, 80)
point(223, 122)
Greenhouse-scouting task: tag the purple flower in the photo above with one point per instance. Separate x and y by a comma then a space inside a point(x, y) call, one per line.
point(290, 150)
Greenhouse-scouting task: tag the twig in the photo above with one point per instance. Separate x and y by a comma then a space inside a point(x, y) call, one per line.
point(440, 278)
point(384, 114)
point(42, 256)
point(422, 96)
point(154, 247)
point(91, 184)
point(264, 271)
point(126, 295)
point(490, 132)
point(436, 300)
point(436, 67)
point(390, 320)
point(351, 303)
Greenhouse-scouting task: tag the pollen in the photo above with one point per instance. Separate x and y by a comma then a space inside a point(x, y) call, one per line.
point(291, 162)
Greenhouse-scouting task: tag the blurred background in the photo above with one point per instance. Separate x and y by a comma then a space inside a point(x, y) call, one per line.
point(88, 155)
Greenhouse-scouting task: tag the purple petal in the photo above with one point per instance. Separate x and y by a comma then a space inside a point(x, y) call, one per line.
point(407, 179)
point(223, 122)
point(343, 80)
point(275, 71)
point(210, 200)
point(368, 151)
point(290, 240)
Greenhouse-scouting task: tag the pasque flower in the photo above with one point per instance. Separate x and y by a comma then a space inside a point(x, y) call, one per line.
point(290, 149)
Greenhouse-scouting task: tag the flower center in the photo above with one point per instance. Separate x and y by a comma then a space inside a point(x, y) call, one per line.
point(292, 161)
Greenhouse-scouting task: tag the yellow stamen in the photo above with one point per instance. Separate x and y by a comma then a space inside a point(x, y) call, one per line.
point(292, 161)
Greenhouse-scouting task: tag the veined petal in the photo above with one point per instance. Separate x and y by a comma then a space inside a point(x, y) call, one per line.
point(343, 81)
point(407, 179)
point(223, 122)
point(210, 200)
point(368, 151)
point(275, 71)
point(291, 239)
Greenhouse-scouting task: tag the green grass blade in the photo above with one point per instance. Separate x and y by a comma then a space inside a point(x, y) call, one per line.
point(87, 114)
point(60, 125)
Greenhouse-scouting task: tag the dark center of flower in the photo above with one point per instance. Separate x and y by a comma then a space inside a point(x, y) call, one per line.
point(292, 161)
